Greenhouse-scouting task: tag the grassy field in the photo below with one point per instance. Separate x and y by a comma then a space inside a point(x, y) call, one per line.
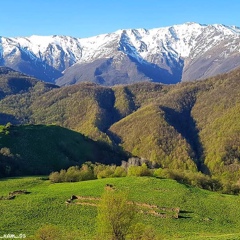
point(203, 214)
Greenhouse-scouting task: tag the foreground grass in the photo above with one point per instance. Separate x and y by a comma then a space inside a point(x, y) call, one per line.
point(204, 214)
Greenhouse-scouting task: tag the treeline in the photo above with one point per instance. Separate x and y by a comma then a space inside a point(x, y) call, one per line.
point(87, 171)
point(90, 171)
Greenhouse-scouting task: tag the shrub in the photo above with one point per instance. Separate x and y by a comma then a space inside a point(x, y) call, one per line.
point(142, 232)
point(107, 172)
point(139, 171)
point(48, 232)
point(120, 172)
point(54, 177)
point(196, 179)
point(86, 172)
point(73, 174)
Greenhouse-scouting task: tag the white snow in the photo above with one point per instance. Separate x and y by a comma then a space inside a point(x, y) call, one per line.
point(178, 41)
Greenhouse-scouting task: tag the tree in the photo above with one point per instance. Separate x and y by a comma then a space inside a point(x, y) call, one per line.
point(48, 232)
point(141, 231)
point(54, 177)
point(115, 216)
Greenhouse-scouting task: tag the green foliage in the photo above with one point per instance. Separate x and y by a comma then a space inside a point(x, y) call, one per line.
point(106, 171)
point(17, 93)
point(40, 149)
point(115, 216)
point(216, 112)
point(13, 82)
point(145, 133)
point(88, 171)
point(139, 171)
point(124, 103)
point(119, 172)
point(141, 231)
point(86, 108)
point(73, 174)
point(48, 232)
point(196, 179)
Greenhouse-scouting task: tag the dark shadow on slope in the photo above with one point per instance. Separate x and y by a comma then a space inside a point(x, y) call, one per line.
point(114, 137)
point(151, 70)
point(41, 149)
point(184, 123)
point(128, 109)
point(5, 118)
point(180, 216)
point(158, 74)
point(184, 211)
point(39, 69)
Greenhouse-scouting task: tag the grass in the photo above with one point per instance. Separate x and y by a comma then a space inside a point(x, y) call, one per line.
point(203, 214)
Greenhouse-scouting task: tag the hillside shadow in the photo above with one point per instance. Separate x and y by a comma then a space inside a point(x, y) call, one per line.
point(179, 216)
point(41, 149)
point(184, 123)
point(39, 70)
point(5, 118)
point(158, 74)
point(114, 137)
point(184, 211)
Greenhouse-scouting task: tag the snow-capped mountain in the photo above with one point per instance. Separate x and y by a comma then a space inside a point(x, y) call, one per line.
point(169, 55)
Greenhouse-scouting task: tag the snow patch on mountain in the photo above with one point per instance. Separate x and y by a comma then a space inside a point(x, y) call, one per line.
point(164, 47)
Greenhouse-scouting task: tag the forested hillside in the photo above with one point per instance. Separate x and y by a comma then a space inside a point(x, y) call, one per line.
point(41, 149)
point(189, 126)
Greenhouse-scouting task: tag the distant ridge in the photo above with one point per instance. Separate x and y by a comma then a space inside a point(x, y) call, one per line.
point(168, 55)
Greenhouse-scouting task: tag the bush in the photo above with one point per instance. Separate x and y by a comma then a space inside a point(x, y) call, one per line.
point(196, 179)
point(120, 172)
point(142, 232)
point(48, 232)
point(139, 171)
point(90, 171)
point(73, 174)
point(86, 172)
point(106, 172)
point(231, 188)
point(54, 177)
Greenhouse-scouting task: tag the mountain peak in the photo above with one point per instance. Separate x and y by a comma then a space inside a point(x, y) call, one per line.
point(161, 54)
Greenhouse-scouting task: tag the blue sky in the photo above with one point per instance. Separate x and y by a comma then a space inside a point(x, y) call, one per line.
point(84, 18)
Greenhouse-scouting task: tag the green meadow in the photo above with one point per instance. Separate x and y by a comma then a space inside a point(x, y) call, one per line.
point(203, 214)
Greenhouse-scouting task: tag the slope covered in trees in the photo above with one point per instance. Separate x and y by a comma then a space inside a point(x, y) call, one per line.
point(40, 149)
point(17, 92)
point(193, 126)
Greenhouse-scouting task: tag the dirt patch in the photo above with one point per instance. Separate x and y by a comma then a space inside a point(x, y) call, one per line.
point(18, 192)
point(12, 195)
point(144, 208)
point(87, 204)
point(88, 198)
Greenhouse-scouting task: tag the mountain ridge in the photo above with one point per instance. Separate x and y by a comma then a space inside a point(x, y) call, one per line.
point(168, 55)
